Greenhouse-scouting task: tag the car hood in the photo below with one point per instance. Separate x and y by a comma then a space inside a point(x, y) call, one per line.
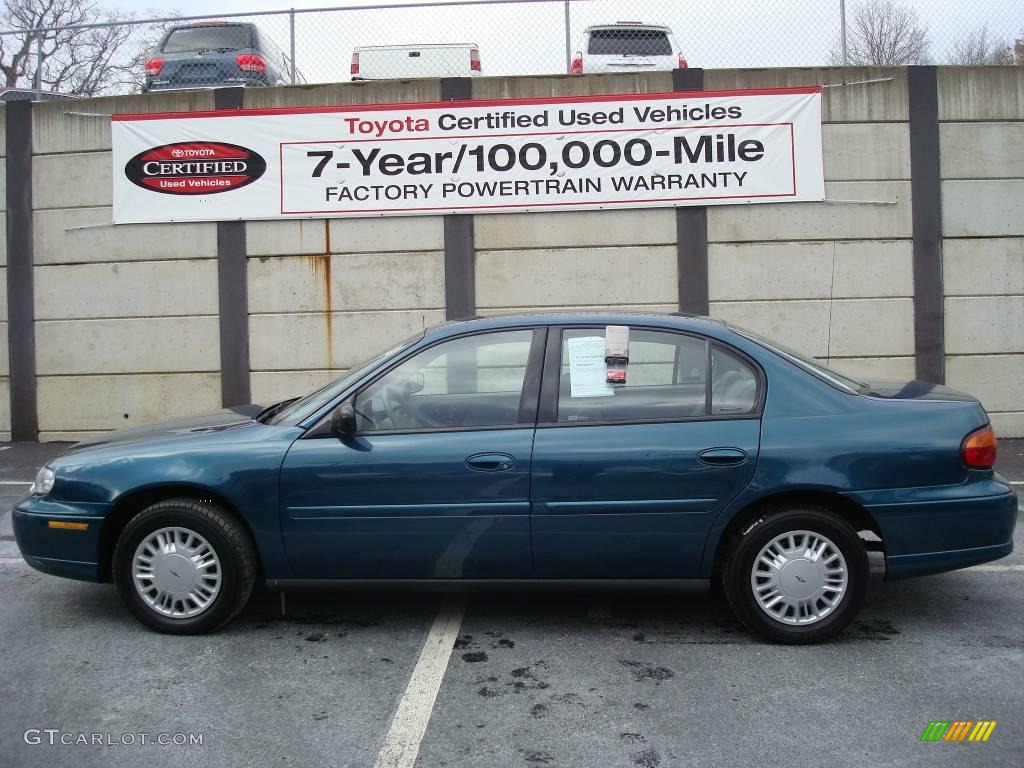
point(216, 421)
point(916, 390)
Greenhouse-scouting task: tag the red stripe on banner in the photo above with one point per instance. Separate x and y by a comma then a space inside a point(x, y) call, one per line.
point(670, 96)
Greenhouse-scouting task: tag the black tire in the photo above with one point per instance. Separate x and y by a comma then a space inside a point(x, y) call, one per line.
point(746, 545)
point(234, 551)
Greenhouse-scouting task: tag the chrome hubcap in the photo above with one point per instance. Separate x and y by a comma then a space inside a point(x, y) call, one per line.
point(799, 577)
point(176, 572)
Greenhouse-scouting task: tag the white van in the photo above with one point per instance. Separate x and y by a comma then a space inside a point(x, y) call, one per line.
point(401, 62)
point(627, 46)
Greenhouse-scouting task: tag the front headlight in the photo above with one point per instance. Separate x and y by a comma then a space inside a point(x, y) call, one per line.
point(44, 482)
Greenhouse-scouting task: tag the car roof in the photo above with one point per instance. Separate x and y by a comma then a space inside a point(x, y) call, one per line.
point(628, 25)
point(678, 321)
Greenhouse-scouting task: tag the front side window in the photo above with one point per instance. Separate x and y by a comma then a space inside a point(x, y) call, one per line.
point(664, 378)
point(473, 381)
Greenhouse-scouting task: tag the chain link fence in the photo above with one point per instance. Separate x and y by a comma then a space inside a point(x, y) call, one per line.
point(103, 54)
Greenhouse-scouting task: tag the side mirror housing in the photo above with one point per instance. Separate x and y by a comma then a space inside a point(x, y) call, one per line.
point(343, 419)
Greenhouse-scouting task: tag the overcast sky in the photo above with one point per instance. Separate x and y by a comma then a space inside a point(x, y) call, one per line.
point(529, 38)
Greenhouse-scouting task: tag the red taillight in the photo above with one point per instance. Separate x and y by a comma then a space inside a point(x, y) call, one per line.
point(683, 64)
point(251, 62)
point(153, 67)
point(354, 69)
point(577, 64)
point(978, 449)
point(474, 60)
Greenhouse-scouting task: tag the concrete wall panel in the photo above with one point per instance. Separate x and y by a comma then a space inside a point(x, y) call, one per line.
point(568, 229)
point(984, 324)
point(809, 270)
point(72, 181)
point(985, 208)
point(982, 150)
point(284, 238)
point(87, 235)
point(884, 214)
point(135, 345)
point(5, 409)
point(576, 276)
point(824, 329)
point(884, 100)
point(997, 380)
point(408, 233)
point(130, 289)
point(273, 386)
point(86, 403)
point(979, 267)
point(62, 126)
point(570, 85)
point(874, 368)
point(866, 151)
point(981, 93)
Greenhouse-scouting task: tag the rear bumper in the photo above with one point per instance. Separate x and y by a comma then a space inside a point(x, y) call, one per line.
point(942, 528)
point(72, 554)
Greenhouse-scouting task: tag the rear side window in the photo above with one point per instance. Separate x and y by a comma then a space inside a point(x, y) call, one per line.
point(218, 37)
point(733, 385)
point(629, 42)
point(665, 378)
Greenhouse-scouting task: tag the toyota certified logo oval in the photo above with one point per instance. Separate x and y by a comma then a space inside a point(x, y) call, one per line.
point(195, 168)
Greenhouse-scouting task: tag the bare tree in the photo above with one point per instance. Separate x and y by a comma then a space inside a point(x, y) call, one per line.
point(979, 47)
point(884, 33)
point(106, 59)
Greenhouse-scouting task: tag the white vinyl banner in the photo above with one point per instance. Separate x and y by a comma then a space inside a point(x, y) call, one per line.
point(571, 153)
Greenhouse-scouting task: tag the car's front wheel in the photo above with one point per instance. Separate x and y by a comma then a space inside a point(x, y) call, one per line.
point(796, 575)
point(184, 567)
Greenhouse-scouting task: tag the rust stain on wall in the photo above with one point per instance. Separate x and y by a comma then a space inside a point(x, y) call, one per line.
point(320, 266)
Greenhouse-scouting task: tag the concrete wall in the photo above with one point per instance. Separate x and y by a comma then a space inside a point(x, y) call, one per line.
point(127, 317)
point(981, 131)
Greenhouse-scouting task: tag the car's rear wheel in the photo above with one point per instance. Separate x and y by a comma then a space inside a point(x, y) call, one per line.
point(796, 575)
point(184, 567)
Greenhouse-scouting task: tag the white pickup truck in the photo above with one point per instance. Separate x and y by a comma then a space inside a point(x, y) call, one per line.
point(401, 62)
point(627, 46)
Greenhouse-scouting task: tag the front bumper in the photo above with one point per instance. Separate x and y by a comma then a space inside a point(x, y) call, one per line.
point(73, 554)
point(943, 528)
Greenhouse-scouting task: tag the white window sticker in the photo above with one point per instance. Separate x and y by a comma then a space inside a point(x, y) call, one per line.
point(587, 368)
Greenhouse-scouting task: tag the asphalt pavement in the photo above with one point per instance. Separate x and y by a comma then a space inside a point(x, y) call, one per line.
point(505, 680)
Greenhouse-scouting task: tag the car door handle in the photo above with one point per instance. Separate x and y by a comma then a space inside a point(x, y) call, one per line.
point(720, 457)
point(491, 462)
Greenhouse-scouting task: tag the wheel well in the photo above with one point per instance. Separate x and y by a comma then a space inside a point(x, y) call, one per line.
point(849, 510)
point(133, 502)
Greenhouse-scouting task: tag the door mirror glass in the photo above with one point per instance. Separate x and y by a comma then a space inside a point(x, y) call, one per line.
point(343, 419)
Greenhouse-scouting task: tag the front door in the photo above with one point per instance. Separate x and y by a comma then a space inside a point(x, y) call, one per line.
point(435, 482)
point(628, 479)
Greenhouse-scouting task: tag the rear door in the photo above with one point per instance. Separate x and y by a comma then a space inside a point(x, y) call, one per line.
point(628, 479)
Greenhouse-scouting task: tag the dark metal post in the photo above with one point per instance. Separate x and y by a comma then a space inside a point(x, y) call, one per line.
point(459, 246)
point(691, 227)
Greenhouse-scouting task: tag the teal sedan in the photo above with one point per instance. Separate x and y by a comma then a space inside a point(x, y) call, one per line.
point(609, 451)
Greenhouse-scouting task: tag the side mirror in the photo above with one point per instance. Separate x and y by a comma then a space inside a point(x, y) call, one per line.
point(343, 419)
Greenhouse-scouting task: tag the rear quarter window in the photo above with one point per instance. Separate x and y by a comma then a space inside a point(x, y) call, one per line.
point(208, 38)
point(629, 42)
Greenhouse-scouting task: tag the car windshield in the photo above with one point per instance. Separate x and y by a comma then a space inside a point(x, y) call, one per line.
point(629, 42)
point(214, 37)
point(808, 363)
point(313, 402)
